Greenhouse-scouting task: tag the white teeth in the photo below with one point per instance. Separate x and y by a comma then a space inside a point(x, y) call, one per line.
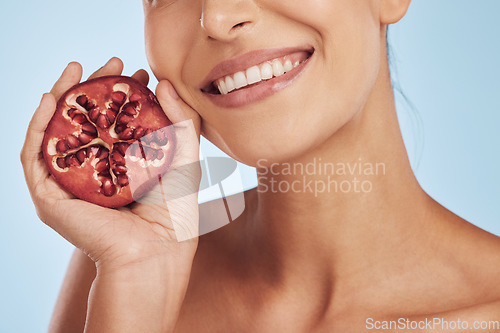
point(253, 75)
point(278, 69)
point(222, 87)
point(229, 84)
point(266, 71)
point(240, 80)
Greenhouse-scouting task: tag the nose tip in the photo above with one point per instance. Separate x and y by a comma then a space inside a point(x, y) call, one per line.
point(218, 30)
point(225, 20)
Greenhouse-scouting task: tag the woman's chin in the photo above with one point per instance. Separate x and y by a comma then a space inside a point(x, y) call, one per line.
point(267, 153)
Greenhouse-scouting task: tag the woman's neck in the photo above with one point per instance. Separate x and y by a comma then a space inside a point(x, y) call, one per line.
point(350, 206)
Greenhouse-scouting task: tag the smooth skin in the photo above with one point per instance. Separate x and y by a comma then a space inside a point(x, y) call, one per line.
point(292, 262)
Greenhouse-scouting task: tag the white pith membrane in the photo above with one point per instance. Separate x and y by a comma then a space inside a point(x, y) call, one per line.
point(259, 73)
point(147, 141)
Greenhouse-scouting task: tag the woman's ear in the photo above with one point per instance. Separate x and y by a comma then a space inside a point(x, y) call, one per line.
point(391, 11)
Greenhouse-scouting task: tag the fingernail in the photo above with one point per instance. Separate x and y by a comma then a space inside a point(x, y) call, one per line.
point(172, 91)
point(66, 68)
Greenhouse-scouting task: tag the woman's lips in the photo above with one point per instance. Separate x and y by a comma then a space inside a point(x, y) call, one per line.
point(248, 86)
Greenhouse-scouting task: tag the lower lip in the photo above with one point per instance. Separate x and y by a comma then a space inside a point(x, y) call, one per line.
point(259, 91)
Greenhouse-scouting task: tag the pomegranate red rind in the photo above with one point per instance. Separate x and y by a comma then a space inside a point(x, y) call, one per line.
point(108, 135)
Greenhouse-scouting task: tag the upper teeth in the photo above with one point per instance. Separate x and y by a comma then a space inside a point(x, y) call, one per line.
point(254, 74)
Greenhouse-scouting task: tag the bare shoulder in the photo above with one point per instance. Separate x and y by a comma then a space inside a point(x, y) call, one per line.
point(481, 250)
point(475, 253)
point(71, 307)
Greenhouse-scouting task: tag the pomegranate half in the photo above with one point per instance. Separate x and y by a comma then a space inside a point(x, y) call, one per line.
point(109, 141)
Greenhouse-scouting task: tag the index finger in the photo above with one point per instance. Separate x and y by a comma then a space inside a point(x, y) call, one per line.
point(71, 75)
point(114, 66)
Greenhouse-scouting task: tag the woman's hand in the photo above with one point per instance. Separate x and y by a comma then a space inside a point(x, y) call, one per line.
point(145, 231)
point(142, 269)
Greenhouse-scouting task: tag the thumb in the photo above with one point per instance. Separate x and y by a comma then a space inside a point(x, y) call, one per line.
point(173, 203)
point(186, 124)
point(175, 108)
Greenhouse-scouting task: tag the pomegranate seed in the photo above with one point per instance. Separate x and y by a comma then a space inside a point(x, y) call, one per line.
point(71, 160)
point(139, 133)
point(89, 106)
point(122, 180)
point(102, 165)
point(62, 146)
point(111, 115)
point(73, 141)
point(117, 158)
point(103, 121)
point(85, 138)
point(127, 134)
point(120, 169)
point(103, 176)
point(81, 155)
point(80, 119)
point(82, 100)
point(130, 110)
point(89, 129)
point(103, 153)
point(94, 114)
point(118, 97)
point(119, 129)
point(108, 188)
point(72, 113)
point(135, 98)
point(61, 162)
point(121, 147)
point(114, 107)
point(124, 119)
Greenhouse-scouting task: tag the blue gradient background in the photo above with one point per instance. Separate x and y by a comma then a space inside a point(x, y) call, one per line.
point(446, 53)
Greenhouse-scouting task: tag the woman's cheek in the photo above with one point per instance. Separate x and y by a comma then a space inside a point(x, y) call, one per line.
point(168, 42)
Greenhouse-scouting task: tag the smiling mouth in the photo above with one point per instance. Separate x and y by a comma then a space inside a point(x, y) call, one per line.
point(257, 74)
